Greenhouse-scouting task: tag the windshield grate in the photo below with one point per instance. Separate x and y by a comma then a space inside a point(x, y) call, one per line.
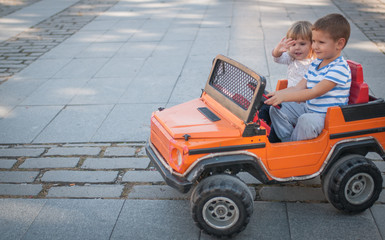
point(233, 83)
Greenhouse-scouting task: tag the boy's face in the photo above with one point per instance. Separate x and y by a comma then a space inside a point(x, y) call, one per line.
point(325, 47)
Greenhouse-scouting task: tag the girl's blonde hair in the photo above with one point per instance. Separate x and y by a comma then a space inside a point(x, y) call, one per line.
point(300, 29)
point(303, 30)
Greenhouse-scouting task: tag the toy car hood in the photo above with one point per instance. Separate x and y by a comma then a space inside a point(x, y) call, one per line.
point(196, 119)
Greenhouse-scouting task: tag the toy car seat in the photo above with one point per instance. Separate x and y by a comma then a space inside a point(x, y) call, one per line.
point(359, 90)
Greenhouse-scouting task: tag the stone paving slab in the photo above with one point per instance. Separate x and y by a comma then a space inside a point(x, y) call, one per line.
point(378, 212)
point(166, 217)
point(71, 151)
point(50, 162)
point(80, 176)
point(20, 152)
point(25, 190)
point(7, 163)
point(143, 176)
point(116, 163)
point(88, 191)
point(82, 218)
point(18, 176)
point(17, 215)
point(322, 221)
point(155, 192)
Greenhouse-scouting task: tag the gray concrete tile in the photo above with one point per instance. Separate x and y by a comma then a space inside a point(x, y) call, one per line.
point(172, 48)
point(84, 37)
point(66, 50)
point(79, 176)
point(101, 91)
point(182, 33)
point(73, 151)
point(23, 124)
point(7, 163)
point(75, 124)
point(122, 125)
point(50, 162)
point(75, 219)
point(135, 213)
point(322, 221)
point(162, 66)
point(120, 151)
point(43, 68)
point(15, 90)
point(99, 24)
point(291, 193)
point(132, 49)
point(155, 192)
point(147, 90)
point(18, 176)
point(21, 152)
point(88, 191)
point(142, 176)
point(100, 50)
point(56, 92)
point(26, 190)
point(17, 215)
point(118, 67)
point(115, 163)
point(81, 68)
point(378, 212)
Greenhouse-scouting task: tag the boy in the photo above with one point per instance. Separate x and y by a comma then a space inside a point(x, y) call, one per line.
point(326, 84)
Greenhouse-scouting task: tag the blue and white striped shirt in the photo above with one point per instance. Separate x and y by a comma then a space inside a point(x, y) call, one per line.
point(338, 72)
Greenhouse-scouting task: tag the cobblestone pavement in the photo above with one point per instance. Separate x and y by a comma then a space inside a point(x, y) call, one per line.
point(368, 16)
point(114, 170)
point(21, 50)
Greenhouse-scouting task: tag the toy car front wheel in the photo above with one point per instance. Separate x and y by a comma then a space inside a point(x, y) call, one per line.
point(221, 205)
point(353, 184)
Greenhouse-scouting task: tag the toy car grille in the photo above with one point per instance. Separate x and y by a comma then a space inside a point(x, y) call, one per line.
point(234, 83)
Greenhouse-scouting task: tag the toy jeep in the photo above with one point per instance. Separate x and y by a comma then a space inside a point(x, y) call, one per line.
point(202, 144)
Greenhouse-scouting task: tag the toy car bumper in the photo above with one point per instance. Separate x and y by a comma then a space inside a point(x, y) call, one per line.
point(179, 183)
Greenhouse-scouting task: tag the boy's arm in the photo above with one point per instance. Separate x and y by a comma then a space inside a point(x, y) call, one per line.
point(300, 93)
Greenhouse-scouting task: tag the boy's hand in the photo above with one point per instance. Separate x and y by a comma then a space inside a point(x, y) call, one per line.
point(274, 98)
point(283, 46)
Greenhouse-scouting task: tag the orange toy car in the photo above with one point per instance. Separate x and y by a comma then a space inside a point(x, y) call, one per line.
point(205, 142)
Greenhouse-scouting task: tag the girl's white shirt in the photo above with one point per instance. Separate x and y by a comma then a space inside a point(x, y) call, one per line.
point(296, 69)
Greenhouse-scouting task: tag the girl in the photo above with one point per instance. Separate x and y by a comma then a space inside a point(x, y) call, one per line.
point(295, 51)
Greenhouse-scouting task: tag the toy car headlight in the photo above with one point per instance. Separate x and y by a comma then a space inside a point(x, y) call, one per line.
point(176, 155)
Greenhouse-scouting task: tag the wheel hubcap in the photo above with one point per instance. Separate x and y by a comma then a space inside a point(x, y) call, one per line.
point(220, 213)
point(359, 188)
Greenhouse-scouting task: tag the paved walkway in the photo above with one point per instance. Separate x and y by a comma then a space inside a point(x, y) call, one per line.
point(79, 80)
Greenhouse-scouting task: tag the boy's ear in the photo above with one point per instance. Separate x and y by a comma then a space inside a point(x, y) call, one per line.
point(341, 43)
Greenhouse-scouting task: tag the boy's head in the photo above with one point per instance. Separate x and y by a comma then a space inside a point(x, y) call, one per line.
point(335, 25)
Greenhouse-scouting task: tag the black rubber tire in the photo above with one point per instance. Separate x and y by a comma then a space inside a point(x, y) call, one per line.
point(353, 184)
point(221, 205)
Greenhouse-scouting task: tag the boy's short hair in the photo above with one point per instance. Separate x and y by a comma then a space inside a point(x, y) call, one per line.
point(334, 24)
point(300, 29)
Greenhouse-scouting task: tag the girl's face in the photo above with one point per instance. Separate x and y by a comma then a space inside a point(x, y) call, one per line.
point(301, 49)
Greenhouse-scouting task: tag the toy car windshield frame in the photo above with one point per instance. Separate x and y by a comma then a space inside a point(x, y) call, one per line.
point(236, 87)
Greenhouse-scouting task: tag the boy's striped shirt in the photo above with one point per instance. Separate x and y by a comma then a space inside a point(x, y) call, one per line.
point(338, 72)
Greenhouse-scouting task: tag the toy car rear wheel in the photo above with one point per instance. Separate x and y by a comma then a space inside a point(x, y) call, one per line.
point(353, 184)
point(221, 205)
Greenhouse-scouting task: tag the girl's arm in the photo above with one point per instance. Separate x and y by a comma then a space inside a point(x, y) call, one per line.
point(282, 46)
